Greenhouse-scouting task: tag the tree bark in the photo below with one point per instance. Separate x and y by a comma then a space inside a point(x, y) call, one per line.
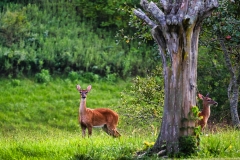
point(175, 28)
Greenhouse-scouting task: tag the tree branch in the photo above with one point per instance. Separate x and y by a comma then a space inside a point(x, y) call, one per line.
point(208, 7)
point(140, 14)
point(227, 59)
point(154, 11)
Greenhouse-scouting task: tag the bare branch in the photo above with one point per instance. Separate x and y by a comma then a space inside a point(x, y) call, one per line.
point(140, 14)
point(154, 11)
point(209, 6)
point(165, 5)
point(144, 4)
point(157, 13)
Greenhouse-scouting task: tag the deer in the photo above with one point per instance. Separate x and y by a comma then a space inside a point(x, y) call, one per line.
point(205, 113)
point(104, 118)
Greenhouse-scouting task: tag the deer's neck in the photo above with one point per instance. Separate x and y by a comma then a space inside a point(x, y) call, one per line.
point(206, 110)
point(82, 107)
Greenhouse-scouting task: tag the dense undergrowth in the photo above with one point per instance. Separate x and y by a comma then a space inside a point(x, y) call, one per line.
point(58, 39)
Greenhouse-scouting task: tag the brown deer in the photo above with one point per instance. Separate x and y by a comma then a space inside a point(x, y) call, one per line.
point(205, 113)
point(100, 117)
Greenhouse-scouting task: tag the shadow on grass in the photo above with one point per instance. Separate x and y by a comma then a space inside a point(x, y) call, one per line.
point(83, 157)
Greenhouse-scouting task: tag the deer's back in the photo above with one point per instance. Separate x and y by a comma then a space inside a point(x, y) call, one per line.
point(104, 116)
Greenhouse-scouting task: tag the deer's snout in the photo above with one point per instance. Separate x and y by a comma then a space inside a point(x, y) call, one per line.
point(83, 95)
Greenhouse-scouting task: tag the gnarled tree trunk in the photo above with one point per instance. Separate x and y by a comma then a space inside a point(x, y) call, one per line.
point(175, 28)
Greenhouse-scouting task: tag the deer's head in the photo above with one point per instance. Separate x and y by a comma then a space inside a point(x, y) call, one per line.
point(207, 100)
point(83, 92)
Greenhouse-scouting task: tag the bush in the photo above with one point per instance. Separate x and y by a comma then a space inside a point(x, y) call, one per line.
point(13, 27)
point(43, 77)
point(143, 102)
point(16, 82)
point(73, 75)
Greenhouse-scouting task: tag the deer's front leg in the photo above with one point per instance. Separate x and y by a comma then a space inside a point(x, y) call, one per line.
point(83, 127)
point(89, 131)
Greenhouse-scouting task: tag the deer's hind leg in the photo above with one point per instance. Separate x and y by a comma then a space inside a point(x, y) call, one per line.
point(105, 129)
point(112, 132)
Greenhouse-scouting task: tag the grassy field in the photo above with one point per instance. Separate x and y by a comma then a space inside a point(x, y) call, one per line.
point(39, 121)
point(58, 144)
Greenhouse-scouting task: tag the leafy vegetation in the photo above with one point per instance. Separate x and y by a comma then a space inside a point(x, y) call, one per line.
point(145, 97)
point(60, 41)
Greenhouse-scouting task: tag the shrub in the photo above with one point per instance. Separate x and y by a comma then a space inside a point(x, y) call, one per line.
point(15, 82)
point(43, 76)
point(143, 102)
point(13, 26)
point(73, 75)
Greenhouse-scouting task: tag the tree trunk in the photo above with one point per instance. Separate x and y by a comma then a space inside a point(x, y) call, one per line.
point(233, 87)
point(176, 28)
point(233, 93)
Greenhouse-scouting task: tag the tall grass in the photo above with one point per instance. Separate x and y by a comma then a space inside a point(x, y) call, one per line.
point(58, 144)
point(220, 144)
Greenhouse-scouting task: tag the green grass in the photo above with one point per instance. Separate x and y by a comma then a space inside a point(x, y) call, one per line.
point(221, 144)
point(40, 121)
point(57, 144)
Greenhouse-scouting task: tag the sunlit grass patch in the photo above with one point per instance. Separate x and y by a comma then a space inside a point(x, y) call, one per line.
point(223, 144)
point(65, 145)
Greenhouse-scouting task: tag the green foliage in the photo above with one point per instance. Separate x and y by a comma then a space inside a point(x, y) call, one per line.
point(188, 146)
point(194, 116)
point(213, 78)
point(73, 76)
point(43, 76)
point(195, 111)
point(14, 26)
point(107, 13)
point(142, 103)
point(16, 82)
point(222, 26)
point(58, 40)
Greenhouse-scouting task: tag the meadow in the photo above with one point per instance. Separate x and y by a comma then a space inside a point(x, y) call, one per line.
point(39, 121)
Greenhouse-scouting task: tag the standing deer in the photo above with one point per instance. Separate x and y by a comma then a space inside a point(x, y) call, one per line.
point(205, 114)
point(100, 117)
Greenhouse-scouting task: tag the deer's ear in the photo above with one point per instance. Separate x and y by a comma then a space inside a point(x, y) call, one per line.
point(200, 96)
point(89, 88)
point(78, 87)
